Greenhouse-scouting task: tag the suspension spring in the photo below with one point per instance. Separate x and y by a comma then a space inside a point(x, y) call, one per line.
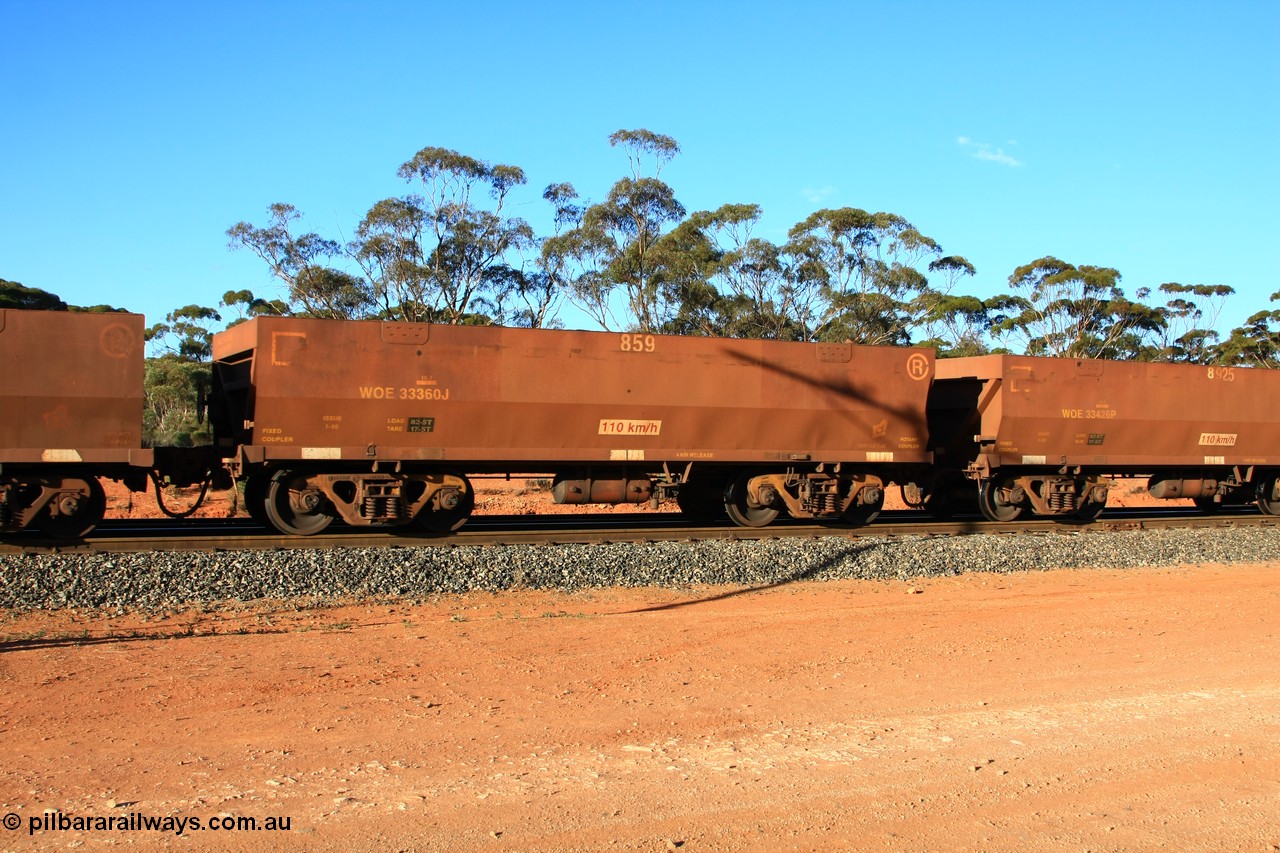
point(381, 506)
point(823, 503)
point(1063, 501)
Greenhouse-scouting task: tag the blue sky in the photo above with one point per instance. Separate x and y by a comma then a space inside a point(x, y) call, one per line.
point(1136, 135)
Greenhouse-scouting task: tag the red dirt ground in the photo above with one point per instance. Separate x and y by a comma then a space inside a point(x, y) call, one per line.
point(1103, 710)
point(1087, 710)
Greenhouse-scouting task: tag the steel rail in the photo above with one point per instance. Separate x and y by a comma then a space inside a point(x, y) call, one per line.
point(210, 535)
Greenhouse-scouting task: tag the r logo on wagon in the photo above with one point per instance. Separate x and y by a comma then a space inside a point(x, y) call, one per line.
point(917, 366)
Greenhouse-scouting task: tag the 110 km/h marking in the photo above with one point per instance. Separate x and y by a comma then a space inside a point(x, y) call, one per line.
point(608, 426)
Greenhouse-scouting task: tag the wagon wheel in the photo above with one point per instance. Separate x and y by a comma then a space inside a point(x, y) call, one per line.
point(454, 509)
point(701, 500)
point(78, 515)
point(859, 514)
point(1269, 495)
point(292, 508)
point(994, 505)
point(740, 509)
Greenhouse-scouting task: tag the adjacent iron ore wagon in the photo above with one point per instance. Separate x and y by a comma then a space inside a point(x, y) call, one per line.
point(380, 423)
point(71, 391)
point(1044, 434)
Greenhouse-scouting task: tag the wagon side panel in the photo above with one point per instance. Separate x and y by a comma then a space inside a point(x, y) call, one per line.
point(332, 389)
point(1122, 415)
point(71, 387)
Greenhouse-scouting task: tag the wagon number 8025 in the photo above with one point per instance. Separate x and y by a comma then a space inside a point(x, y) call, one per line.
point(638, 343)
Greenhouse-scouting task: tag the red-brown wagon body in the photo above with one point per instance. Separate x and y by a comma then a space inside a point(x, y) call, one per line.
point(1045, 431)
point(616, 416)
point(71, 391)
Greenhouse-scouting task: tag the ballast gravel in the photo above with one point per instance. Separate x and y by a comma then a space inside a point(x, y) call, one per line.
point(156, 581)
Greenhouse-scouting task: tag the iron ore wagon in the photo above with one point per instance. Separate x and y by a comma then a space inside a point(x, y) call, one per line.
point(1044, 434)
point(71, 392)
point(379, 423)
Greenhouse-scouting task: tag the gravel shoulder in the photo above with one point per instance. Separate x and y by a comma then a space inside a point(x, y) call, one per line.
point(160, 582)
point(923, 704)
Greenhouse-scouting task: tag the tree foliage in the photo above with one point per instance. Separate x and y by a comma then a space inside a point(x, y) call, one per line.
point(617, 245)
point(186, 333)
point(1190, 315)
point(15, 295)
point(642, 143)
point(441, 254)
point(177, 380)
point(738, 285)
point(174, 388)
point(956, 324)
point(864, 270)
point(1059, 309)
point(248, 306)
point(450, 251)
point(1257, 342)
point(303, 264)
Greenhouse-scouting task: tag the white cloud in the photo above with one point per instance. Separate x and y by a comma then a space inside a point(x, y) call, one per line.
point(988, 152)
point(996, 155)
point(815, 195)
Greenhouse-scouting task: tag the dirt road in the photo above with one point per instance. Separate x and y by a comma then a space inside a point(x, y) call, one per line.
point(1098, 710)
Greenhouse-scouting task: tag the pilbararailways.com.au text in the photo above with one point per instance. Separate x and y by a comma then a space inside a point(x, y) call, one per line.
point(55, 820)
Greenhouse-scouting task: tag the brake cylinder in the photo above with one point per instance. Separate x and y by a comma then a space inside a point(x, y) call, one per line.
point(1170, 489)
point(601, 491)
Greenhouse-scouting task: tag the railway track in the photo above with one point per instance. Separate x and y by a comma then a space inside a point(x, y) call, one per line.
point(220, 535)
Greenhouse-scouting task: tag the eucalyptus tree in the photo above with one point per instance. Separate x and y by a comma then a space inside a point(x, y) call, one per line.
point(178, 377)
point(1191, 315)
point(1058, 309)
point(732, 283)
point(171, 412)
point(186, 333)
point(1257, 342)
point(861, 271)
point(248, 306)
point(15, 295)
point(303, 264)
point(614, 246)
point(529, 294)
point(684, 262)
point(441, 254)
point(955, 323)
point(759, 297)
